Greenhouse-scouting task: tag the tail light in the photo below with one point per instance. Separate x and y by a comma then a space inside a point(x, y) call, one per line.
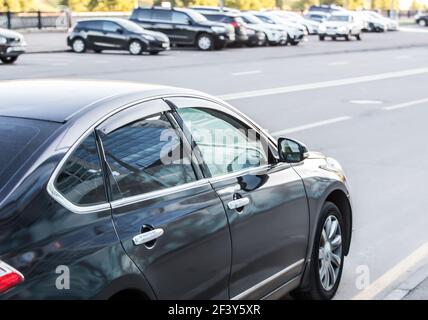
point(234, 24)
point(9, 277)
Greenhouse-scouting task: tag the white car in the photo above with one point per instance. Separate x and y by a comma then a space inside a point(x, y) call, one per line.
point(310, 25)
point(274, 34)
point(295, 32)
point(341, 25)
point(316, 16)
point(377, 22)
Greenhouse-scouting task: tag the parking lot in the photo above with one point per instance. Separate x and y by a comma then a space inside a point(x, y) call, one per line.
point(364, 103)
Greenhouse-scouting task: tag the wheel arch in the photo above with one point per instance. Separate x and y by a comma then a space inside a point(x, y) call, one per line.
point(131, 286)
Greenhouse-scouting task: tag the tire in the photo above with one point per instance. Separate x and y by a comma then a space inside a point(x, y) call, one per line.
point(358, 37)
point(205, 42)
point(78, 45)
point(347, 37)
point(154, 53)
point(9, 60)
point(322, 287)
point(333, 38)
point(98, 51)
point(321, 37)
point(135, 47)
point(423, 23)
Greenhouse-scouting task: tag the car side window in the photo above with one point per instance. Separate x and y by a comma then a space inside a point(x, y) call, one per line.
point(144, 14)
point(80, 180)
point(145, 156)
point(180, 17)
point(226, 144)
point(92, 25)
point(109, 26)
point(162, 15)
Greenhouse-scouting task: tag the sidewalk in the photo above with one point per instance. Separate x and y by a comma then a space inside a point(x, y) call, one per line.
point(43, 42)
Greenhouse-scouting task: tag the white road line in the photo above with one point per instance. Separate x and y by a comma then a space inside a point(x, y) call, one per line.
point(365, 101)
point(395, 273)
point(245, 73)
point(323, 84)
point(406, 104)
point(310, 126)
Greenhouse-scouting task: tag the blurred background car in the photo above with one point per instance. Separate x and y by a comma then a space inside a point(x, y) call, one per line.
point(310, 25)
point(232, 20)
point(317, 16)
point(185, 27)
point(274, 34)
point(295, 32)
point(341, 25)
point(214, 9)
point(379, 23)
point(115, 34)
point(326, 8)
point(12, 45)
point(422, 19)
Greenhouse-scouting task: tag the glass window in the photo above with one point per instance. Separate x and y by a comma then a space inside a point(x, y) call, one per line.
point(93, 25)
point(80, 180)
point(180, 17)
point(109, 26)
point(146, 156)
point(226, 144)
point(144, 14)
point(162, 15)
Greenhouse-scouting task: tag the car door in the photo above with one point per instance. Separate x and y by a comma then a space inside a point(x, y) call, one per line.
point(184, 31)
point(94, 33)
point(170, 220)
point(265, 200)
point(161, 21)
point(113, 36)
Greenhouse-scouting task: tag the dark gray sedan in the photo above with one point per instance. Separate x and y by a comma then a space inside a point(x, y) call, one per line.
point(12, 45)
point(121, 190)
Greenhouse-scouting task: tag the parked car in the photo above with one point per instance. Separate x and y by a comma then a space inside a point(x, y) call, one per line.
point(12, 45)
point(422, 19)
point(317, 16)
point(310, 25)
point(115, 193)
point(214, 9)
point(326, 8)
point(274, 34)
point(233, 20)
point(341, 25)
point(115, 34)
point(378, 23)
point(295, 33)
point(185, 27)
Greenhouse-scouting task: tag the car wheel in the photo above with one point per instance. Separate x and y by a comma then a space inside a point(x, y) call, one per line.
point(333, 38)
point(358, 37)
point(98, 51)
point(423, 23)
point(348, 37)
point(8, 60)
point(327, 256)
point(78, 45)
point(135, 47)
point(205, 42)
point(321, 38)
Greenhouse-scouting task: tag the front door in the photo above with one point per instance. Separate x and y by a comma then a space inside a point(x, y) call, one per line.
point(265, 200)
point(171, 222)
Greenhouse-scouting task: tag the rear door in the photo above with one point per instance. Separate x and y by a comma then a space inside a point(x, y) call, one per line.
point(184, 31)
point(171, 222)
point(162, 22)
point(114, 36)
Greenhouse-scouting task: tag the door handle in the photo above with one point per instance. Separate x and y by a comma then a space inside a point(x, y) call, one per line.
point(238, 203)
point(147, 236)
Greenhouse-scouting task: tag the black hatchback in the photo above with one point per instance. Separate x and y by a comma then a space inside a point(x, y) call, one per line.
point(115, 34)
point(185, 27)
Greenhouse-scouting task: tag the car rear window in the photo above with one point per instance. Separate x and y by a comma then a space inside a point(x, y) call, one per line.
point(19, 139)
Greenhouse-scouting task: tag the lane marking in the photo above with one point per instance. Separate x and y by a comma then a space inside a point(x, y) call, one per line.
point(245, 73)
point(393, 274)
point(406, 104)
point(323, 84)
point(338, 63)
point(310, 126)
point(366, 101)
point(403, 57)
point(415, 30)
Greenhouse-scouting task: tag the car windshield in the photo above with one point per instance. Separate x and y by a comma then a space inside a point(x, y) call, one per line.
point(19, 139)
point(338, 18)
point(375, 15)
point(195, 15)
point(252, 19)
point(130, 26)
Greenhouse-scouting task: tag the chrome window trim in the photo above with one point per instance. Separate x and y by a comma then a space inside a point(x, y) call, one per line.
point(58, 197)
point(257, 286)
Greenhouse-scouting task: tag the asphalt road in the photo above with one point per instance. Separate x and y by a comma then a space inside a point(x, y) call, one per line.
point(364, 103)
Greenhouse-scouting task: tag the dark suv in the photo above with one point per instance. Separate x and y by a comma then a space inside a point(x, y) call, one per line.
point(185, 27)
point(233, 20)
point(12, 45)
point(115, 34)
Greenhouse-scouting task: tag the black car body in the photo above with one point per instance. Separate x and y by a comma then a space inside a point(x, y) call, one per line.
point(115, 34)
point(107, 191)
point(12, 45)
point(233, 20)
point(422, 19)
point(184, 27)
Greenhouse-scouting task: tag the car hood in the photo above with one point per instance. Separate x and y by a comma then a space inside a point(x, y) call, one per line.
point(157, 35)
point(10, 34)
point(256, 27)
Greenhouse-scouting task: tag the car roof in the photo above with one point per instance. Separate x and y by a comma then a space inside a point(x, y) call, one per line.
point(60, 100)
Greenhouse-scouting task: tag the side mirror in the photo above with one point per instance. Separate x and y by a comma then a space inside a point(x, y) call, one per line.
point(119, 31)
point(291, 151)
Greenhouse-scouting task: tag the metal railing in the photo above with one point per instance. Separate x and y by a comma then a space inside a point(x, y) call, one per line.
point(36, 19)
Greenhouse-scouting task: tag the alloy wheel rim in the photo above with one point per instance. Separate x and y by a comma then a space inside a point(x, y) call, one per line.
point(135, 48)
point(78, 45)
point(422, 23)
point(204, 43)
point(330, 252)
